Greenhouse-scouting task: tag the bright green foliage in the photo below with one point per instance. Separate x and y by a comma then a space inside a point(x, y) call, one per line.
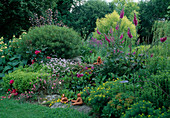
point(110, 21)
point(22, 78)
point(84, 16)
point(52, 40)
point(145, 109)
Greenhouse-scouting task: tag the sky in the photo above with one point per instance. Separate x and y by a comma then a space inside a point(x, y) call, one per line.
point(111, 0)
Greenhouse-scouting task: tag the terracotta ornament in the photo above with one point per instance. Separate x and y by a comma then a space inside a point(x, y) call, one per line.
point(64, 99)
point(79, 100)
point(99, 61)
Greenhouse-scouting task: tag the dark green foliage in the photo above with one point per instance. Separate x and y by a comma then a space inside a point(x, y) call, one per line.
point(85, 15)
point(52, 40)
point(14, 15)
point(151, 11)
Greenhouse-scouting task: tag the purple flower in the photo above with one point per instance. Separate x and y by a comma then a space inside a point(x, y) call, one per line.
point(134, 53)
point(106, 38)
point(89, 72)
point(98, 31)
point(135, 20)
point(90, 51)
point(163, 39)
point(129, 33)
point(79, 75)
point(122, 13)
point(121, 36)
point(125, 81)
point(117, 27)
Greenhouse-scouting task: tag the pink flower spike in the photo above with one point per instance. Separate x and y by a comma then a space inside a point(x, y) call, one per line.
point(122, 13)
point(129, 33)
point(121, 36)
point(135, 20)
point(163, 39)
point(98, 31)
point(117, 27)
point(106, 38)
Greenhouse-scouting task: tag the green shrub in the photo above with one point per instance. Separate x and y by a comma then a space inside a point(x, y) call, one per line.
point(145, 110)
point(51, 40)
point(22, 79)
point(110, 21)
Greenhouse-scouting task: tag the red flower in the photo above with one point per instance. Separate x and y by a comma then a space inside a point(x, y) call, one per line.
point(9, 90)
point(13, 91)
point(151, 55)
point(122, 13)
point(48, 57)
point(36, 52)
point(98, 31)
point(11, 81)
point(163, 39)
point(135, 20)
point(33, 61)
point(129, 33)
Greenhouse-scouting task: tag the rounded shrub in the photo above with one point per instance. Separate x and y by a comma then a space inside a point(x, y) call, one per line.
point(110, 21)
point(51, 40)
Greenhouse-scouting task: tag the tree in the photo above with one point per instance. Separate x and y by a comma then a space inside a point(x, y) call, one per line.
point(84, 16)
point(150, 11)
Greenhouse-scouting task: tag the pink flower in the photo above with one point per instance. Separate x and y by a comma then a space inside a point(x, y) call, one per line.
point(121, 36)
point(123, 41)
point(44, 82)
point(163, 39)
point(135, 20)
point(11, 81)
point(117, 27)
point(48, 57)
point(134, 53)
point(86, 68)
point(122, 13)
point(117, 50)
point(114, 51)
point(30, 82)
point(52, 87)
point(54, 84)
point(106, 38)
point(36, 52)
point(40, 79)
point(15, 93)
point(129, 33)
point(33, 85)
point(79, 75)
point(98, 31)
point(90, 51)
point(152, 55)
point(32, 61)
point(92, 67)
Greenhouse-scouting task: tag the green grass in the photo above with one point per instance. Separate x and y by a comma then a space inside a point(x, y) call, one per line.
point(13, 109)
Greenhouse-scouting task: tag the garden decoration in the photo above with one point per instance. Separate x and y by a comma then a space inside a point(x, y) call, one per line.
point(64, 99)
point(99, 61)
point(79, 100)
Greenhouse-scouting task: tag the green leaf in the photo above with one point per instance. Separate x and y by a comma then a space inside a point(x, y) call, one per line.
point(2, 75)
point(7, 68)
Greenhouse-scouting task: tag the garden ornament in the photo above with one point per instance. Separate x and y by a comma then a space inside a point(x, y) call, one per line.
point(99, 61)
point(79, 100)
point(64, 99)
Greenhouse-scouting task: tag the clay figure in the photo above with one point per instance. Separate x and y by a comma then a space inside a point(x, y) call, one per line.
point(79, 100)
point(64, 99)
point(99, 61)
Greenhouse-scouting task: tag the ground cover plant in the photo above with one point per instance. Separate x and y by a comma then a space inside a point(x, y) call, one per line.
point(116, 74)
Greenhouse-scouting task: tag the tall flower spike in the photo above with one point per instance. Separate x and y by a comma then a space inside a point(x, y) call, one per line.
point(98, 31)
point(106, 38)
point(117, 27)
point(122, 13)
point(129, 33)
point(121, 36)
point(135, 20)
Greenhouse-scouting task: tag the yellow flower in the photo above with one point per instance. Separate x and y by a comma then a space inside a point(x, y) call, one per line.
point(1, 42)
point(149, 115)
point(5, 47)
point(1, 50)
point(2, 56)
